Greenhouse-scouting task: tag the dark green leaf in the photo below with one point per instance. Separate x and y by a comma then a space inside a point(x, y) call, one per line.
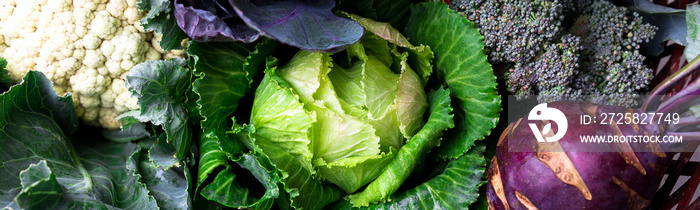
point(5, 81)
point(226, 71)
point(162, 154)
point(364, 8)
point(42, 168)
point(461, 66)
point(134, 132)
point(226, 187)
point(160, 88)
point(160, 20)
point(169, 187)
point(395, 13)
point(43, 101)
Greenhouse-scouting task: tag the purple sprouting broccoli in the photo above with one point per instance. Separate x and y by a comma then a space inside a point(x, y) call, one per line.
point(565, 49)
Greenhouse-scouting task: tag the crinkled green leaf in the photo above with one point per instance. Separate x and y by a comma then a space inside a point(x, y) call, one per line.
point(160, 88)
point(281, 127)
point(348, 84)
point(129, 118)
point(225, 72)
point(305, 191)
point(225, 187)
point(383, 30)
point(354, 172)
point(415, 149)
point(692, 18)
point(462, 66)
point(303, 73)
point(455, 188)
point(280, 120)
point(160, 20)
point(211, 157)
point(338, 136)
point(120, 163)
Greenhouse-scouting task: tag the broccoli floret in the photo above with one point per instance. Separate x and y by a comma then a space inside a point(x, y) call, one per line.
point(598, 53)
point(551, 71)
point(513, 30)
point(613, 63)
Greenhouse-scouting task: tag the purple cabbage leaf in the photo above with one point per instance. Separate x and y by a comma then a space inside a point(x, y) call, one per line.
point(306, 24)
point(212, 21)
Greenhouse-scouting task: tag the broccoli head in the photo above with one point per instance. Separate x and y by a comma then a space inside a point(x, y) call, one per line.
point(564, 47)
point(513, 30)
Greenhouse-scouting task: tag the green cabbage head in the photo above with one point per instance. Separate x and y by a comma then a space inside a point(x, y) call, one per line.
point(342, 116)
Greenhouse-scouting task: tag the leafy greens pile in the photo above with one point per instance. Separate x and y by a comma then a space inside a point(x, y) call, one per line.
point(382, 122)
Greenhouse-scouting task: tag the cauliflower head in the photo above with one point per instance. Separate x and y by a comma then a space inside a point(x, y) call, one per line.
point(84, 46)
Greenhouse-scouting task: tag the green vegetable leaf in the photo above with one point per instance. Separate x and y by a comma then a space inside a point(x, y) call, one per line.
point(462, 66)
point(170, 187)
point(338, 136)
point(304, 190)
point(160, 20)
point(44, 101)
point(225, 72)
point(280, 120)
point(226, 186)
point(415, 149)
point(381, 87)
point(226, 190)
point(40, 187)
point(354, 172)
point(61, 172)
point(692, 18)
point(5, 81)
point(135, 131)
point(281, 126)
point(383, 30)
point(160, 87)
point(411, 101)
point(394, 12)
point(455, 188)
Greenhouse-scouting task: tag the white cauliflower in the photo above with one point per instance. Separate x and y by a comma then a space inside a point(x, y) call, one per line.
point(84, 46)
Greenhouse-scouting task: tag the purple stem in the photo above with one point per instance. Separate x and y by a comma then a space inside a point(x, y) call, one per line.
point(683, 123)
point(652, 102)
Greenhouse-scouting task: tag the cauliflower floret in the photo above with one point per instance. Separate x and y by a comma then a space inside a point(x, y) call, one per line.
point(104, 25)
point(84, 46)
